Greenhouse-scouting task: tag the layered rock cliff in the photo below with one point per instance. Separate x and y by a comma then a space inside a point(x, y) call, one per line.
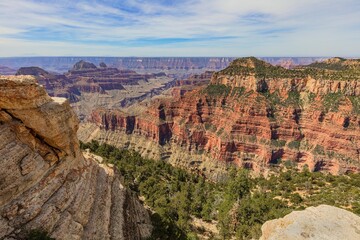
point(45, 181)
point(314, 223)
point(253, 115)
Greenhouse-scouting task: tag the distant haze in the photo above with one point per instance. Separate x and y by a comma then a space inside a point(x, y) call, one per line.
point(147, 64)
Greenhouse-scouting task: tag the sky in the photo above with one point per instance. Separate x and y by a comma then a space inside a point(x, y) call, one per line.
point(231, 28)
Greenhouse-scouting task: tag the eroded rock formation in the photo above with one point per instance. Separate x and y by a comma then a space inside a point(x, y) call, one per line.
point(314, 223)
point(46, 183)
point(85, 77)
point(253, 115)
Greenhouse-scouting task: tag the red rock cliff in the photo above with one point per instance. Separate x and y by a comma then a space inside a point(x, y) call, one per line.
point(255, 115)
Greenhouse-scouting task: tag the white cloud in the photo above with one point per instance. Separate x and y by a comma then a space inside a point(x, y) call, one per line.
point(258, 27)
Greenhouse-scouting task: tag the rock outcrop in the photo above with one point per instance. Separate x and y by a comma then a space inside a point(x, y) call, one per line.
point(103, 65)
point(314, 223)
point(45, 181)
point(82, 65)
point(253, 115)
point(33, 71)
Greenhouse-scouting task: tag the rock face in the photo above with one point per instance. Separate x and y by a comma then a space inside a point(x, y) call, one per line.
point(45, 181)
point(315, 223)
point(253, 115)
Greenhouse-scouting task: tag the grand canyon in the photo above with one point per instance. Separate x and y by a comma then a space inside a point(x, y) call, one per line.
point(250, 115)
point(179, 120)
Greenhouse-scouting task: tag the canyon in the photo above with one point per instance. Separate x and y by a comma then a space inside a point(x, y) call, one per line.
point(87, 86)
point(251, 115)
point(46, 183)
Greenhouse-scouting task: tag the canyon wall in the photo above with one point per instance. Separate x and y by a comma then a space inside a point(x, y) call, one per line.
point(251, 115)
point(45, 181)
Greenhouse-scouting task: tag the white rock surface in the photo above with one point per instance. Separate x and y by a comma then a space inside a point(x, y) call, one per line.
point(314, 223)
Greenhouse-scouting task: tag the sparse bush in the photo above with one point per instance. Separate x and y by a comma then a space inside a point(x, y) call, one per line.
point(37, 234)
point(294, 144)
point(331, 101)
point(217, 90)
point(319, 150)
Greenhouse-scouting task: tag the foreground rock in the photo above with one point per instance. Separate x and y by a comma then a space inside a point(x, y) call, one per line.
point(321, 223)
point(46, 183)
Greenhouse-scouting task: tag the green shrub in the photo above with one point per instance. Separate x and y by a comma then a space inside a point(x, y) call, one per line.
point(294, 144)
point(331, 101)
point(293, 99)
point(37, 234)
point(237, 91)
point(217, 90)
point(319, 150)
point(355, 100)
point(278, 143)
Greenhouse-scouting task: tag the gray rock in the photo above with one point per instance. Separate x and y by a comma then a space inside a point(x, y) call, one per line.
point(321, 223)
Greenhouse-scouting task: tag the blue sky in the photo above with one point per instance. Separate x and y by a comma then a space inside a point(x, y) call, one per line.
point(180, 28)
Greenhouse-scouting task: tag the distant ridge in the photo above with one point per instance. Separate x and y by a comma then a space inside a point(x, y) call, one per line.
point(63, 64)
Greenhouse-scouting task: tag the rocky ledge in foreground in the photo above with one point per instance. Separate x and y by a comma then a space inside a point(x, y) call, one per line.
point(315, 223)
point(46, 183)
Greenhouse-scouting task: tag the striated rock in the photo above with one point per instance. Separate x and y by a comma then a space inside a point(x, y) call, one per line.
point(322, 222)
point(45, 181)
point(251, 115)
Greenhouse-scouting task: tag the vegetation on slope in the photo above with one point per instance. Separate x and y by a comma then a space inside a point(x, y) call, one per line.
point(320, 70)
point(217, 90)
point(337, 63)
point(240, 204)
